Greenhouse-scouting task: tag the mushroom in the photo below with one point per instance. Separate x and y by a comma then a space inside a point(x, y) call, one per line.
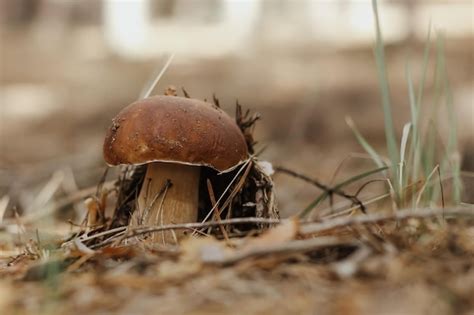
point(174, 137)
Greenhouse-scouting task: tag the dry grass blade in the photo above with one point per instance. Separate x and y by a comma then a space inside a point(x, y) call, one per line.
point(237, 187)
point(58, 204)
point(3, 206)
point(217, 213)
point(149, 88)
point(422, 190)
point(162, 191)
point(337, 212)
point(246, 163)
point(81, 247)
point(46, 193)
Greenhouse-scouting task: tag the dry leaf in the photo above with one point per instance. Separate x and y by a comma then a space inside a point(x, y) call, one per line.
point(282, 233)
point(118, 252)
point(6, 298)
point(195, 252)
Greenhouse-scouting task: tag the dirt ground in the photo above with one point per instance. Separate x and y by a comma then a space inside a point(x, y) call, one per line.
point(417, 268)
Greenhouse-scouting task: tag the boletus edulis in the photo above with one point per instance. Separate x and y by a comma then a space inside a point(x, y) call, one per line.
point(174, 137)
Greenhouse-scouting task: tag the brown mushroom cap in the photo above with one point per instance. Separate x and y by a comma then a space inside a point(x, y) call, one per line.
point(174, 129)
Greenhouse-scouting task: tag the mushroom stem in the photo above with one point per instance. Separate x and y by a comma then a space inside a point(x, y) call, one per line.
point(177, 204)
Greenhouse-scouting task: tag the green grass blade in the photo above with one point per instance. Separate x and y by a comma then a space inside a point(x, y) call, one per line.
point(414, 109)
point(360, 176)
point(450, 160)
point(306, 211)
point(417, 144)
point(385, 91)
point(364, 143)
point(430, 145)
point(429, 150)
point(426, 58)
point(413, 157)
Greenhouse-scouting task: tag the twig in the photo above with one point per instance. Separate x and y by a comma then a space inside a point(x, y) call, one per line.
point(364, 185)
point(283, 248)
point(149, 229)
point(311, 228)
point(306, 227)
point(87, 237)
point(352, 155)
point(329, 190)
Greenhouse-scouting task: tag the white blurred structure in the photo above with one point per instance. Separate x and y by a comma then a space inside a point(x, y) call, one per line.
point(127, 26)
point(130, 31)
point(196, 28)
point(210, 28)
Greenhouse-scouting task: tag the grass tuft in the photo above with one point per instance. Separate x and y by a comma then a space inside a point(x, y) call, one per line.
point(421, 152)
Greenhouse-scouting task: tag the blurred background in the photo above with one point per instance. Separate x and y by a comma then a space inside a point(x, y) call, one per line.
point(67, 67)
